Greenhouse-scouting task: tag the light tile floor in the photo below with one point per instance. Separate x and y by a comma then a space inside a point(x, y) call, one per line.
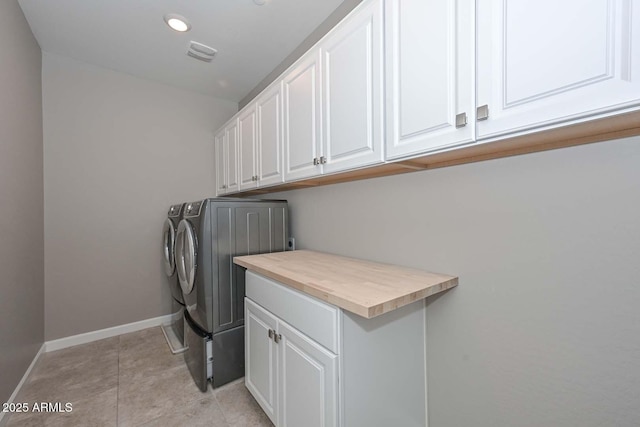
point(131, 380)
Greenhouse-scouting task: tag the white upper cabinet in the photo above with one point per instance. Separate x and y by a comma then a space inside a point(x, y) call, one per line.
point(269, 114)
point(226, 152)
point(221, 168)
point(248, 147)
point(301, 87)
point(430, 75)
point(401, 79)
point(231, 146)
point(352, 87)
point(333, 114)
point(546, 62)
point(260, 140)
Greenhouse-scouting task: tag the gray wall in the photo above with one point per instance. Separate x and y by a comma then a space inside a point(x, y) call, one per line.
point(544, 328)
point(21, 198)
point(118, 151)
point(336, 16)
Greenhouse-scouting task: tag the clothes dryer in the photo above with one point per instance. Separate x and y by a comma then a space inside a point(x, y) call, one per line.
point(211, 233)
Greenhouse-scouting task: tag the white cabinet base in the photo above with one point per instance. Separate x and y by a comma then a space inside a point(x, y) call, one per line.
point(377, 378)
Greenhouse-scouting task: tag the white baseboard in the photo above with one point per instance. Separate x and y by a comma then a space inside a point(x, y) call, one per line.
point(24, 379)
point(106, 333)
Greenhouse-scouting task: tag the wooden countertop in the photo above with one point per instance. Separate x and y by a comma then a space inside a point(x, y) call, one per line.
point(362, 287)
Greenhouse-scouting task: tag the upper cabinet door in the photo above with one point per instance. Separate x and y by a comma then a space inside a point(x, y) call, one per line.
point(301, 86)
point(430, 75)
point(269, 109)
point(221, 168)
point(544, 62)
point(248, 144)
point(352, 90)
point(231, 145)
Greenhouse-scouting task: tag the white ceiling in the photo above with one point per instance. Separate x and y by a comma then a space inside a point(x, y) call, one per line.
point(131, 36)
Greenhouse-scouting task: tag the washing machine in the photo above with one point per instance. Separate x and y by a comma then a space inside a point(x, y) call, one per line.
point(173, 331)
point(210, 234)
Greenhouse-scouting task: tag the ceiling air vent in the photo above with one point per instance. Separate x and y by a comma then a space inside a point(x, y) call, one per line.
point(201, 51)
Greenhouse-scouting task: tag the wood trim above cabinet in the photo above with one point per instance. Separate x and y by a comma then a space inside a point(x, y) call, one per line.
point(609, 128)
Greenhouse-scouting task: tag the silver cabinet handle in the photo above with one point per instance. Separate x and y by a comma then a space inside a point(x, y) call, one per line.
point(316, 161)
point(277, 338)
point(271, 333)
point(323, 160)
point(461, 120)
point(482, 112)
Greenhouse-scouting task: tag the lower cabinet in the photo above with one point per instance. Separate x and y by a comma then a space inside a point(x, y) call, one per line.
point(291, 376)
point(308, 377)
point(311, 364)
point(261, 356)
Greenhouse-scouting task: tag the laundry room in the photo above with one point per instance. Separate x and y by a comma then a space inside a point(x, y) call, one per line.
point(337, 213)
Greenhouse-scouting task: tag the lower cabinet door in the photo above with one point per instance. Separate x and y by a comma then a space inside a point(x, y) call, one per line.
point(261, 356)
point(308, 374)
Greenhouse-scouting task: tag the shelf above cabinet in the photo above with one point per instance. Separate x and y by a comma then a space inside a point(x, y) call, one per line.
point(605, 129)
point(365, 288)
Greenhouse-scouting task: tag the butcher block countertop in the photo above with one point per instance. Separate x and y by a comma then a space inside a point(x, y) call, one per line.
point(366, 288)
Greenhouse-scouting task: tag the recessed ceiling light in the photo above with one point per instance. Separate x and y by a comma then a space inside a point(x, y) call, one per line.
point(177, 22)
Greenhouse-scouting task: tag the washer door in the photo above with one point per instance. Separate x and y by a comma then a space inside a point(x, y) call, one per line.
point(186, 256)
point(168, 248)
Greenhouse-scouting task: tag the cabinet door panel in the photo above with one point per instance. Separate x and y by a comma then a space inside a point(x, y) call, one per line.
point(221, 169)
point(301, 118)
point(247, 148)
point(231, 143)
point(269, 108)
point(430, 74)
point(585, 62)
point(261, 357)
point(308, 381)
point(352, 91)
point(247, 151)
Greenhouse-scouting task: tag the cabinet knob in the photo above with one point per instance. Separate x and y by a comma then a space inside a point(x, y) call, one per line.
point(323, 160)
point(316, 162)
point(277, 338)
point(271, 333)
point(482, 112)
